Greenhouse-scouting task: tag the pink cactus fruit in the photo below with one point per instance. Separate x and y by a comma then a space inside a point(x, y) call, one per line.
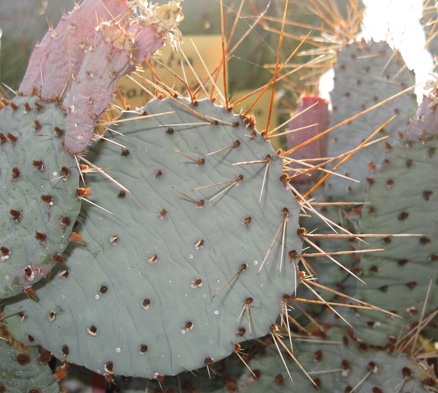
point(311, 118)
point(425, 123)
point(80, 62)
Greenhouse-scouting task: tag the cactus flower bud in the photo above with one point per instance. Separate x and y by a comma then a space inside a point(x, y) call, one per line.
point(311, 119)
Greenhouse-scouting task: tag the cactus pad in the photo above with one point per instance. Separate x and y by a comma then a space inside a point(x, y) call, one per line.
point(38, 202)
point(175, 277)
point(403, 199)
point(366, 74)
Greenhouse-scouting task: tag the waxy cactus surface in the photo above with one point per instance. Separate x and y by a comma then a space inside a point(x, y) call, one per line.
point(365, 75)
point(336, 363)
point(24, 368)
point(403, 199)
point(201, 254)
point(73, 72)
point(198, 253)
point(38, 193)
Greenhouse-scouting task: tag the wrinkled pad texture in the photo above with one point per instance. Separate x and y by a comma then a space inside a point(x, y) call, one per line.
point(38, 192)
point(139, 296)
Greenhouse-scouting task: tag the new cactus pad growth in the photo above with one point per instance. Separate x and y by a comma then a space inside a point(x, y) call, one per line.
point(23, 23)
point(39, 177)
point(198, 253)
point(87, 53)
point(365, 75)
point(80, 62)
point(425, 123)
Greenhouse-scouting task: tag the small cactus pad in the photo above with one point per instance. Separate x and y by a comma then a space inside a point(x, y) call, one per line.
point(366, 74)
point(403, 199)
point(176, 275)
point(38, 193)
point(23, 368)
point(336, 364)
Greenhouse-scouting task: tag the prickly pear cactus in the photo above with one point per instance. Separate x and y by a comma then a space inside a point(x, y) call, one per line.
point(326, 267)
point(23, 368)
point(198, 253)
point(336, 364)
point(202, 382)
point(425, 123)
point(23, 23)
point(39, 177)
point(220, 377)
point(105, 41)
point(403, 199)
point(39, 202)
point(365, 74)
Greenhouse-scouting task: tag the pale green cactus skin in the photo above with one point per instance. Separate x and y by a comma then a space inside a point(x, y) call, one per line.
point(146, 285)
point(23, 369)
point(336, 364)
point(38, 203)
point(403, 200)
point(365, 74)
point(145, 288)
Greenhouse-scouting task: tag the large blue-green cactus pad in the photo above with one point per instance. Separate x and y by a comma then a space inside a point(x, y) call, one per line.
point(174, 278)
point(38, 192)
point(366, 74)
point(23, 368)
point(403, 199)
